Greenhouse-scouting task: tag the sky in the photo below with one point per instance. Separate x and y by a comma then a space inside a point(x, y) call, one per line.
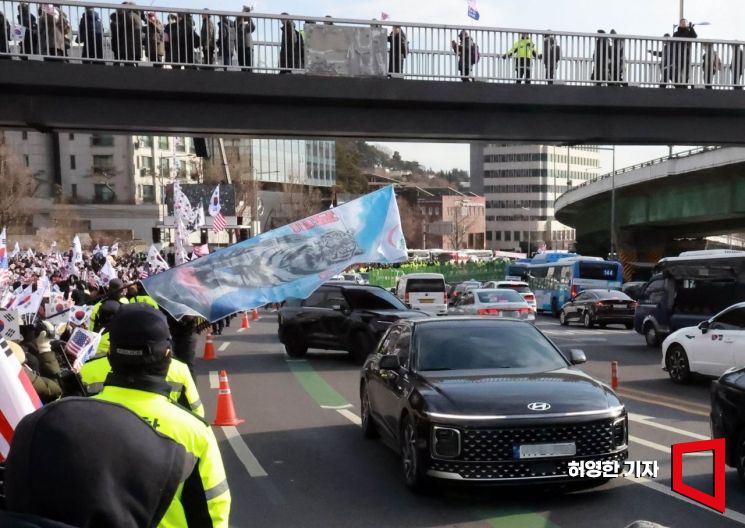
point(629, 17)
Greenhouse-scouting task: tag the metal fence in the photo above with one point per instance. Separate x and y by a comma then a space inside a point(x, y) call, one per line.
point(127, 34)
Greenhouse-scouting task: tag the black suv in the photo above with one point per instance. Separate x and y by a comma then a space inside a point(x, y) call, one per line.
point(340, 316)
point(727, 417)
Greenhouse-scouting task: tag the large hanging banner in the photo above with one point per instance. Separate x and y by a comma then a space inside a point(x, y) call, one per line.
point(288, 262)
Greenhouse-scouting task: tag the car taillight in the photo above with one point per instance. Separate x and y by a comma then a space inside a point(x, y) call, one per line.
point(406, 298)
point(574, 291)
point(489, 311)
point(530, 297)
point(525, 310)
point(600, 303)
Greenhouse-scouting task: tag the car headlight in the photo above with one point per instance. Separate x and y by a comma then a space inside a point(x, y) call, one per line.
point(445, 442)
point(621, 432)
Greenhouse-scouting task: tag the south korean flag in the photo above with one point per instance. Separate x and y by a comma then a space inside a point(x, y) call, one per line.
point(9, 325)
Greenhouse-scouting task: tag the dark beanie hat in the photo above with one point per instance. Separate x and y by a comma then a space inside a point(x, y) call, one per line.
point(139, 335)
point(87, 462)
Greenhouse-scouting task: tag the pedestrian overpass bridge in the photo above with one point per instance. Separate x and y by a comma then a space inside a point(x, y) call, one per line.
point(346, 78)
point(692, 194)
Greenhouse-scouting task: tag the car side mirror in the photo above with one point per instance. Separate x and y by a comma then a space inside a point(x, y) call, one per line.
point(389, 363)
point(577, 356)
point(340, 308)
point(703, 326)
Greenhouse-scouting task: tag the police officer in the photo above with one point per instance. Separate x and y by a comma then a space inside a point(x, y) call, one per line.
point(140, 356)
point(523, 51)
point(105, 310)
point(137, 294)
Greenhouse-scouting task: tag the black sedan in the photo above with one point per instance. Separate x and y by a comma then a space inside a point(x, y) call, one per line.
point(340, 316)
point(601, 307)
point(484, 400)
point(728, 416)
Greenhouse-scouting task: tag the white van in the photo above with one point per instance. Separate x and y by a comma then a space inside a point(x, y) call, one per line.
point(424, 291)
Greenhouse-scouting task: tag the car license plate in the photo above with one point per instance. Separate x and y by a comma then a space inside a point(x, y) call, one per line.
point(509, 314)
point(426, 301)
point(546, 450)
point(619, 306)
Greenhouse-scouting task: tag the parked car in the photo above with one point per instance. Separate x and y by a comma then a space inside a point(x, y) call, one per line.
point(340, 316)
point(477, 399)
point(519, 286)
point(727, 416)
point(710, 348)
point(494, 302)
point(423, 291)
point(601, 307)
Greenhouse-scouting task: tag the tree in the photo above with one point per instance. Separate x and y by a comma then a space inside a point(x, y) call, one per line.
point(461, 222)
point(17, 184)
point(412, 222)
point(349, 177)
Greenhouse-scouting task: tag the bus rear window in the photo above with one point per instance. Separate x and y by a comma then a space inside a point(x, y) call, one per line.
point(598, 270)
point(425, 285)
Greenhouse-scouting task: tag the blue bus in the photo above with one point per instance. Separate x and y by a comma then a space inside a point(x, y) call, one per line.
point(555, 281)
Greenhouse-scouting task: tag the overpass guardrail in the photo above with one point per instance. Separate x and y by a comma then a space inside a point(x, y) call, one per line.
point(172, 38)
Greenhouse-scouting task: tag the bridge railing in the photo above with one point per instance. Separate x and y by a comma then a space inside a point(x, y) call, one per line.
point(649, 163)
point(128, 34)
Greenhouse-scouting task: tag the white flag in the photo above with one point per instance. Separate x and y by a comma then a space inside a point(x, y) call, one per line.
point(156, 261)
point(77, 250)
point(16, 250)
point(79, 315)
point(215, 202)
point(107, 272)
point(30, 253)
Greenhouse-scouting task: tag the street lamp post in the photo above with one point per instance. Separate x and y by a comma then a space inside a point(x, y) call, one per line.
point(529, 228)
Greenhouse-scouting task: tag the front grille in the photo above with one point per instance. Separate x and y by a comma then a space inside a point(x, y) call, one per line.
point(495, 445)
point(544, 469)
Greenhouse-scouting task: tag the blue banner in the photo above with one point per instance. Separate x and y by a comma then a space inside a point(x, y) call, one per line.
point(288, 262)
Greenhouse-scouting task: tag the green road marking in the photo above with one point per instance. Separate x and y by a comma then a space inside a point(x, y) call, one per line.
point(315, 385)
point(513, 517)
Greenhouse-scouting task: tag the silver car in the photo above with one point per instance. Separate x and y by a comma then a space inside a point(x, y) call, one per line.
point(496, 302)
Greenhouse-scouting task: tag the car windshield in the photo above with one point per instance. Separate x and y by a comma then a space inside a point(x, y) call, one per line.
point(516, 287)
point(373, 299)
point(474, 345)
point(499, 296)
point(611, 294)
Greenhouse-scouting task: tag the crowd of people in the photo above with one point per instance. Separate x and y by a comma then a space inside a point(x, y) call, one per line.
point(179, 40)
point(143, 360)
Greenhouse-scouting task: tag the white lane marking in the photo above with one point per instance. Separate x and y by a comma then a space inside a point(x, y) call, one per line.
point(290, 360)
point(647, 420)
point(223, 347)
point(730, 514)
point(660, 447)
point(243, 453)
point(349, 415)
point(337, 407)
point(214, 380)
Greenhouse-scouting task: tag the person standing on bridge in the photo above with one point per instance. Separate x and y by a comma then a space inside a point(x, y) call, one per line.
point(523, 52)
point(90, 34)
point(126, 35)
point(27, 20)
point(4, 35)
point(666, 65)
point(52, 31)
point(601, 59)
point(397, 50)
point(711, 64)
point(226, 40)
point(551, 56)
point(156, 49)
point(291, 48)
point(244, 40)
point(618, 59)
point(682, 54)
point(207, 34)
point(738, 64)
point(467, 53)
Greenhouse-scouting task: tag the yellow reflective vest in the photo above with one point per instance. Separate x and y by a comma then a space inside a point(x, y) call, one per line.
point(103, 344)
point(144, 299)
point(204, 498)
point(523, 49)
point(183, 389)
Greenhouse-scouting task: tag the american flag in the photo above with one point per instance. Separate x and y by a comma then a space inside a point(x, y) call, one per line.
point(81, 346)
point(218, 220)
point(384, 15)
point(218, 223)
point(144, 274)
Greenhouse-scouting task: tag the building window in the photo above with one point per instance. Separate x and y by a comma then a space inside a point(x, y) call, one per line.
point(165, 168)
point(148, 193)
point(103, 193)
point(163, 143)
point(26, 160)
point(180, 144)
point(516, 236)
point(497, 235)
point(508, 236)
point(72, 162)
point(24, 135)
point(488, 235)
point(74, 189)
point(146, 163)
point(146, 142)
point(102, 164)
point(72, 136)
point(102, 141)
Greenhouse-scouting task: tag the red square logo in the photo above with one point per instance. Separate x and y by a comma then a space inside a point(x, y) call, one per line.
point(716, 501)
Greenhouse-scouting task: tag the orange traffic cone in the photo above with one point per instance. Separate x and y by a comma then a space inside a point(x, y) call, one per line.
point(209, 348)
point(255, 314)
point(225, 411)
point(245, 323)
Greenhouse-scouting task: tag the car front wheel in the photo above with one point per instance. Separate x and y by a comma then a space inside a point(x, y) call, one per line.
point(651, 336)
point(677, 365)
point(368, 426)
point(296, 347)
point(563, 318)
point(412, 460)
point(588, 320)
